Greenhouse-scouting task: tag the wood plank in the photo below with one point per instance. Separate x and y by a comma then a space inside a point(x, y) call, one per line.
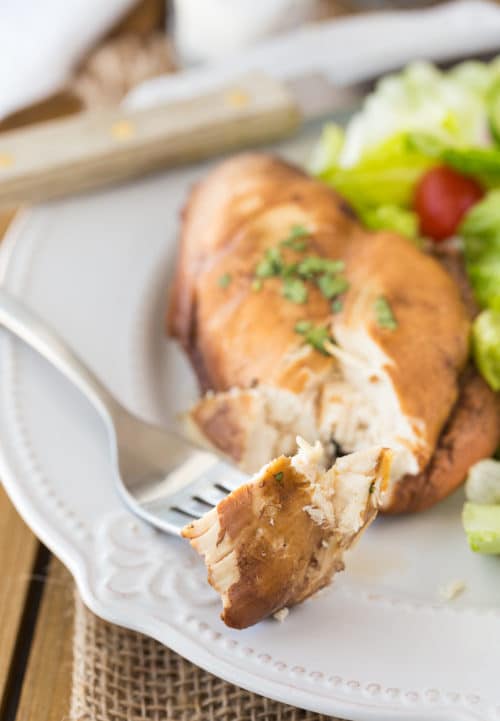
point(46, 688)
point(6, 217)
point(142, 19)
point(55, 106)
point(47, 682)
point(18, 550)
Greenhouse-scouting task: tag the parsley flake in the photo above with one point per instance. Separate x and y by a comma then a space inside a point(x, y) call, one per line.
point(297, 245)
point(256, 285)
point(298, 231)
point(264, 269)
point(294, 290)
point(383, 314)
point(331, 285)
point(279, 476)
point(271, 264)
point(224, 280)
point(317, 337)
point(313, 265)
point(337, 305)
point(302, 326)
point(295, 239)
point(372, 487)
point(289, 269)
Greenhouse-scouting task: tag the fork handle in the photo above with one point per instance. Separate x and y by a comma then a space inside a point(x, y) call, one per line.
point(26, 325)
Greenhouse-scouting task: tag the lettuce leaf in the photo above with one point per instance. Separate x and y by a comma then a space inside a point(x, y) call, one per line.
point(380, 187)
point(484, 277)
point(486, 346)
point(451, 106)
point(326, 152)
point(481, 228)
point(479, 162)
point(474, 75)
point(386, 175)
point(481, 234)
point(391, 217)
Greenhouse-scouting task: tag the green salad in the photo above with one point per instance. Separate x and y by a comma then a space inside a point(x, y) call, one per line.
point(422, 158)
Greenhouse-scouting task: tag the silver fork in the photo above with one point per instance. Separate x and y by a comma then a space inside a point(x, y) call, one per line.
point(161, 477)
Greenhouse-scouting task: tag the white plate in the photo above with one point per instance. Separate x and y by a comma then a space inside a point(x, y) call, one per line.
point(377, 645)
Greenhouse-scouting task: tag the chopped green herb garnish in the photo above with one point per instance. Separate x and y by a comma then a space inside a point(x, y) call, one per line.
point(324, 271)
point(372, 487)
point(295, 290)
point(302, 326)
point(313, 265)
point(331, 285)
point(383, 314)
point(224, 280)
point(265, 269)
point(274, 254)
point(271, 264)
point(337, 305)
point(289, 269)
point(298, 231)
point(295, 239)
point(317, 337)
point(294, 244)
point(279, 476)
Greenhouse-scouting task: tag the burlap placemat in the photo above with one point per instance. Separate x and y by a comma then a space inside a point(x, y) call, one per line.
point(120, 675)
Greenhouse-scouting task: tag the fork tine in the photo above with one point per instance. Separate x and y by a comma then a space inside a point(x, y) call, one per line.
point(191, 507)
point(225, 476)
point(210, 495)
point(166, 517)
point(226, 485)
point(192, 495)
point(199, 497)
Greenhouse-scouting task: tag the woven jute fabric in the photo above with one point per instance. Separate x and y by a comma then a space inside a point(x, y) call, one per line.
point(120, 675)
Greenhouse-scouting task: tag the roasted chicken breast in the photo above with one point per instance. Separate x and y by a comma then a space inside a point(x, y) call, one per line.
point(280, 537)
point(400, 385)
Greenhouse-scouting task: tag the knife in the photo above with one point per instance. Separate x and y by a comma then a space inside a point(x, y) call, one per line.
point(94, 149)
point(231, 105)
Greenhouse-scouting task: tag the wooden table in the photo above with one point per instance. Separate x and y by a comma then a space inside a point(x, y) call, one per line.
point(36, 591)
point(36, 623)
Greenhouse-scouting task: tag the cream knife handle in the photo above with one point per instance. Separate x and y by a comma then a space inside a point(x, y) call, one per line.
point(95, 148)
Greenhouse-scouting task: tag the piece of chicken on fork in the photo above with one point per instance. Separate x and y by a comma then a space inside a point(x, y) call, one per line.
point(280, 537)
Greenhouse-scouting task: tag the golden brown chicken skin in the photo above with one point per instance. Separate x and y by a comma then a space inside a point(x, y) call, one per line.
point(281, 537)
point(400, 387)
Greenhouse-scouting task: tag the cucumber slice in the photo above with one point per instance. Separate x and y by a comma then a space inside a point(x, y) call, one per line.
point(482, 526)
point(494, 110)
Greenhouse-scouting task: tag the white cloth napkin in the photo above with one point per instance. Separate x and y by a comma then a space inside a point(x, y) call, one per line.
point(205, 30)
point(42, 40)
point(348, 49)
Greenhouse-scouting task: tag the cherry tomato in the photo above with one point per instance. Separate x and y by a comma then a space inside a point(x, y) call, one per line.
point(442, 197)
